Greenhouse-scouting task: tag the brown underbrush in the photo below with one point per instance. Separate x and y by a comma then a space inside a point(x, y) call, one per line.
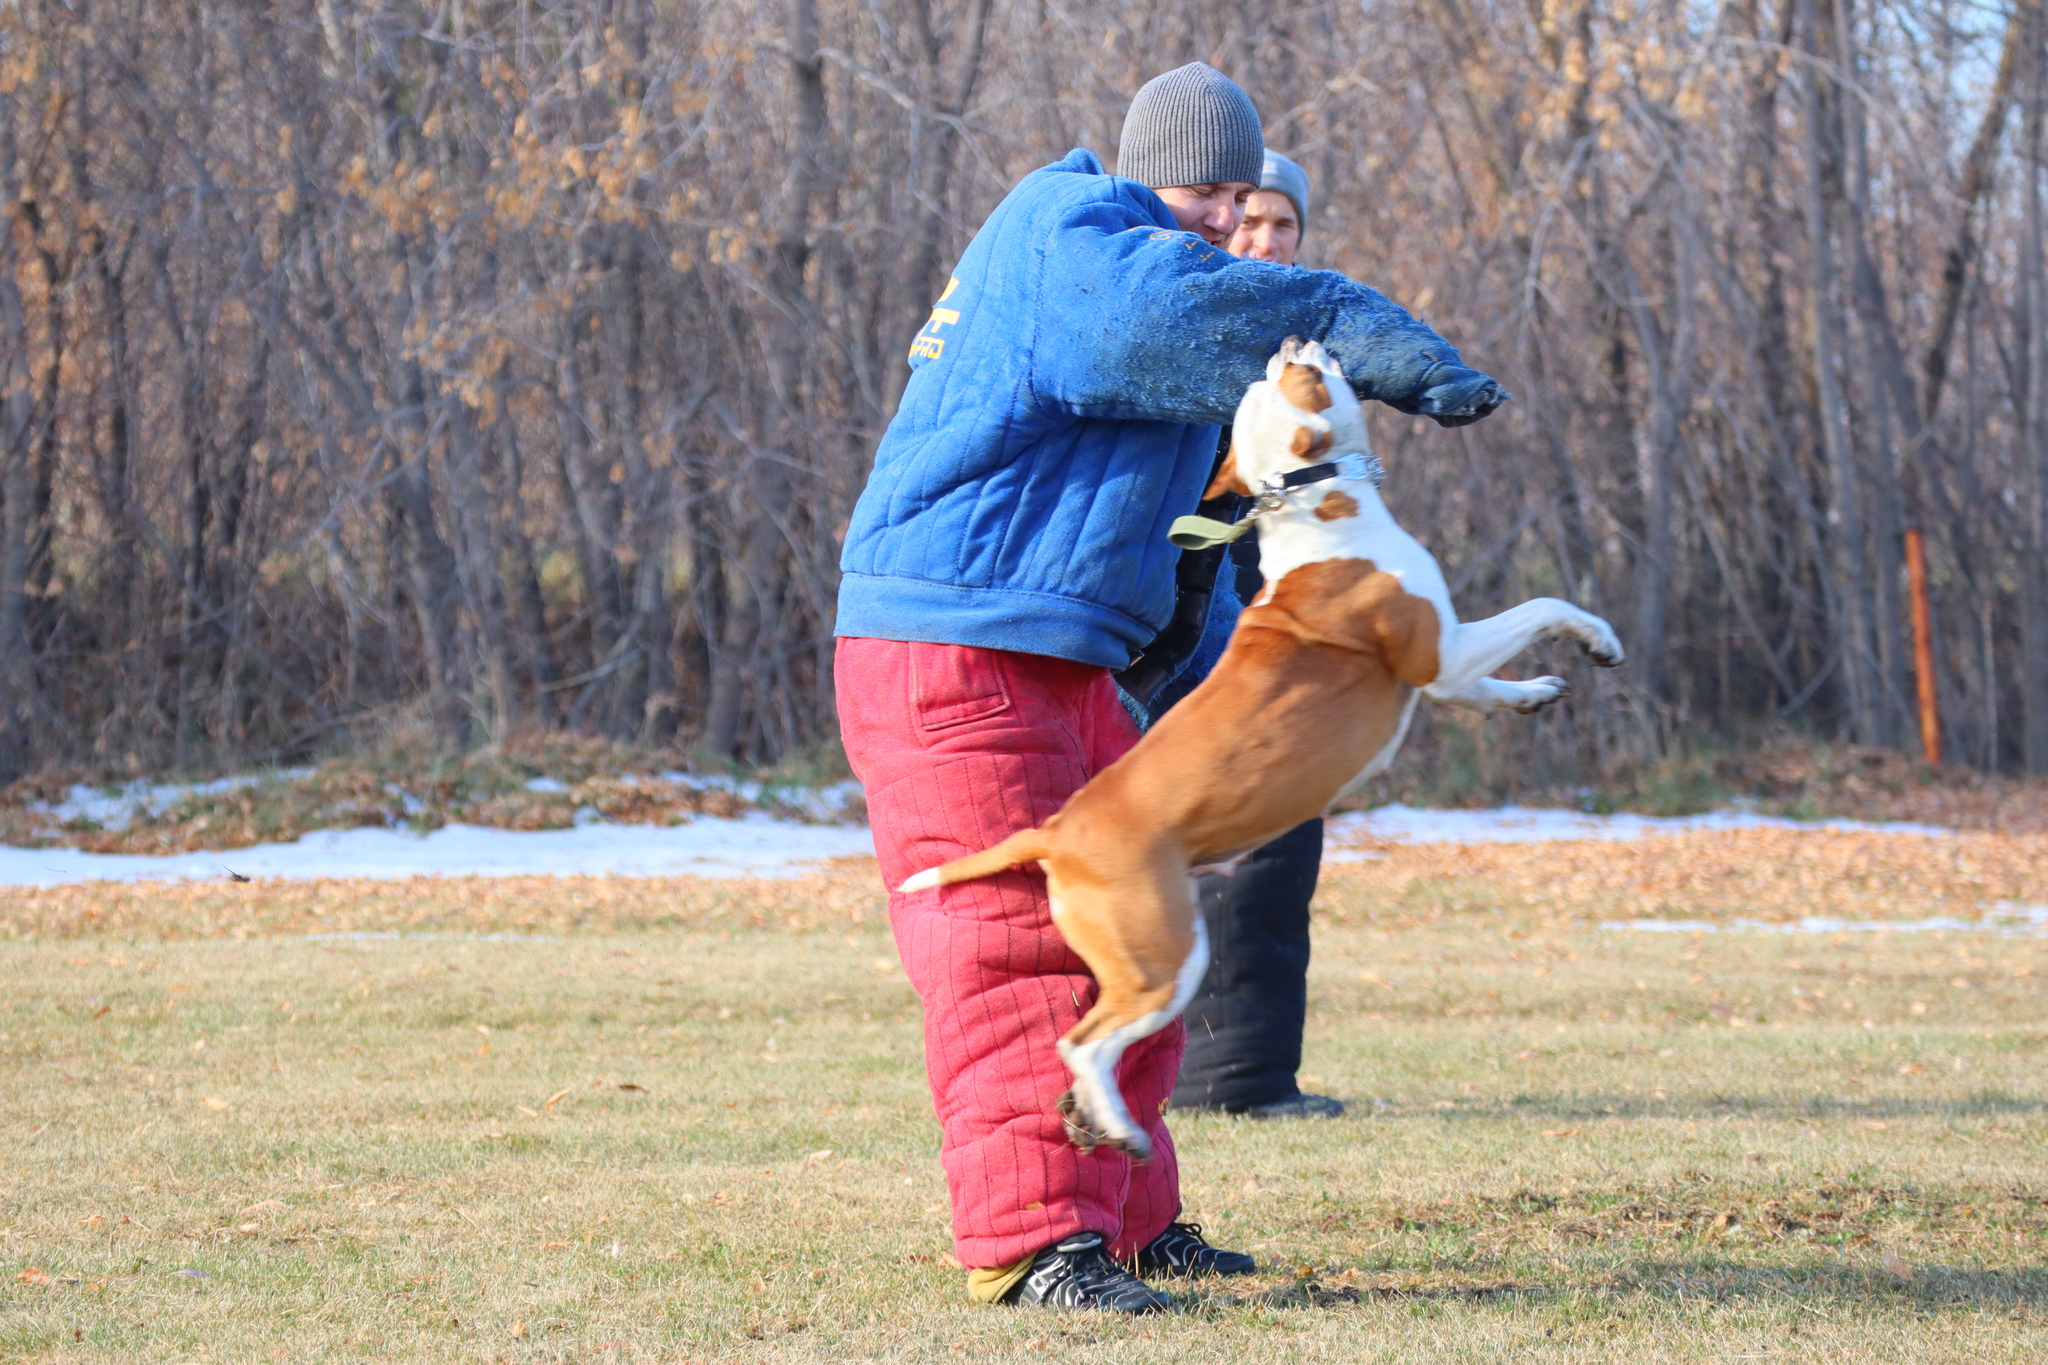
point(1452, 762)
point(415, 787)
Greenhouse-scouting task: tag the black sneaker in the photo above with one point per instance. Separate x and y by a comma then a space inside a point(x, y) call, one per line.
point(1078, 1273)
point(1182, 1250)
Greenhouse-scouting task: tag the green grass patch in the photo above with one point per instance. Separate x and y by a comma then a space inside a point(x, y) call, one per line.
point(713, 1142)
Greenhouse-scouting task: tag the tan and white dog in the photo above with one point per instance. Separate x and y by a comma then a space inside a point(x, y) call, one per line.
point(1312, 696)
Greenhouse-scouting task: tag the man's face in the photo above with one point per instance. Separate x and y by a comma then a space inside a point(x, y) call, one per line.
point(1271, 230)
point(1211, 212)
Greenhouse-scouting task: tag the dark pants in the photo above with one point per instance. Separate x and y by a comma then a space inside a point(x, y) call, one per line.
point(1244, 1025)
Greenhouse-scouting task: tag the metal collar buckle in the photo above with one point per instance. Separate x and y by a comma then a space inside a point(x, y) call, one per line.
point(1205, 533)
point(1353, 464)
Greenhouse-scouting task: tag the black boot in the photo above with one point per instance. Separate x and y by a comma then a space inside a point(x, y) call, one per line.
point(1077, 1273)
point(1299, 1105)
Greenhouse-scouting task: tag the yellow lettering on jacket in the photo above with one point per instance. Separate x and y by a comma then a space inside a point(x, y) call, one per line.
point(929, 344)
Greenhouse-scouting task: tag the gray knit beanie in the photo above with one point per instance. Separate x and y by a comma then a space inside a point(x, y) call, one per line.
point(1284, 177)
point(1194, 126)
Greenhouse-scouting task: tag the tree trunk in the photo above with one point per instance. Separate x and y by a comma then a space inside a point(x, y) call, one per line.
point(1851, 562)
point(1667, 356)
point(2033, 445)
point(752, 628)
point(17, 662)
point(1979, 176)
point(434, 575)
point(542, 666)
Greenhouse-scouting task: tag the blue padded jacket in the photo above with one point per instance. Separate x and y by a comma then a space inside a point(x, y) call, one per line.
point(1062, 411)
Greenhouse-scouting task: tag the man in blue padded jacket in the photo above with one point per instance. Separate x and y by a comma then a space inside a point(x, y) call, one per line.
point(1008, 554)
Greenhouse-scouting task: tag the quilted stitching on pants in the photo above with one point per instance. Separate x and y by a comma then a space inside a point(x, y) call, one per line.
point(998, 983)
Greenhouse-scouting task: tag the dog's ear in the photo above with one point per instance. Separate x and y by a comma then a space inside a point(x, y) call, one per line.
point(1227, 479)
point(1308, 442)
point(1302, 385)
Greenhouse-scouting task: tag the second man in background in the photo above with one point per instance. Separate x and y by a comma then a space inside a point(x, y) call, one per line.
point(1245, 1024)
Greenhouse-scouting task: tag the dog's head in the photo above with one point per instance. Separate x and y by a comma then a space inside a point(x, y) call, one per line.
point(1302, 413)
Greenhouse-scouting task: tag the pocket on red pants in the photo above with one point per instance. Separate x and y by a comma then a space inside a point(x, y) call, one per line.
point(955, 685)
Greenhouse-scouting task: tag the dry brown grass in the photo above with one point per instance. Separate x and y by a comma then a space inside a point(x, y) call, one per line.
point(686, 1121)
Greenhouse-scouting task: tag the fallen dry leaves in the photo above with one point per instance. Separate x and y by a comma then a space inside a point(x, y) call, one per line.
point(1775, 875)
point(847, 891)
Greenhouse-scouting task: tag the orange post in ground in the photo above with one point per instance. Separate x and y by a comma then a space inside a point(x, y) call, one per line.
point(1923, 646)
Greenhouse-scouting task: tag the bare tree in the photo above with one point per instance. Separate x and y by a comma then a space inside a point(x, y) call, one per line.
point(507, 367)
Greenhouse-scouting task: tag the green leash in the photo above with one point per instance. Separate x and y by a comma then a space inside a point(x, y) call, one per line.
point(1202, 533)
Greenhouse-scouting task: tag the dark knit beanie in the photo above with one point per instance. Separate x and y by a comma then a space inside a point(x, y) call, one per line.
point(1284, 177)
point(1193, 126)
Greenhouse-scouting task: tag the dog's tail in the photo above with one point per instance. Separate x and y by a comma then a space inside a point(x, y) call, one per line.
point(1025, 846)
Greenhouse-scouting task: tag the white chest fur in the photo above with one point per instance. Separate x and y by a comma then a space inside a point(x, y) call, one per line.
point(1293, 535)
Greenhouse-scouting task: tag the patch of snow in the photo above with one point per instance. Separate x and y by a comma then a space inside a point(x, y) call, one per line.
point(1522, 825)
point(2012, 921)
point(828, 803)
point(755, 846)
point(713, 782)
point(115, 808)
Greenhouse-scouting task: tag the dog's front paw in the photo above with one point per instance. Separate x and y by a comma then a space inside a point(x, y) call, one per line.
point(1532, 696)
point(1603, 647)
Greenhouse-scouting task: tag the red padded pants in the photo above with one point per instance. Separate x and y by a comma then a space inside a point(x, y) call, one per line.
point(959, 748)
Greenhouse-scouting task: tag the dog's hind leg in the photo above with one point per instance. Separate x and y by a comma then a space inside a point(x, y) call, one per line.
point(1149, 965)
point(1098, 1103)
